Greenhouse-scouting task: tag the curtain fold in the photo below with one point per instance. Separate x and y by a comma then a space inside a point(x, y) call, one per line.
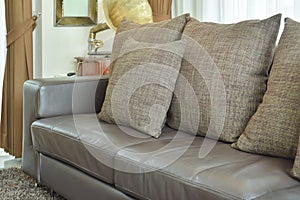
point(2, 48)
point(161, 9)
point(18, 69)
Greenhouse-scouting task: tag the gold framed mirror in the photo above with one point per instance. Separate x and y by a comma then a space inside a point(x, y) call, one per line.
point(75, 12)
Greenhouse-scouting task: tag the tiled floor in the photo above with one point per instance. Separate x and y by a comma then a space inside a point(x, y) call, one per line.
point(7, 160)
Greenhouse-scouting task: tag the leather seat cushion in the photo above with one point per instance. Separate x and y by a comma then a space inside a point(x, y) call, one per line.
point(225, 173)
point(164, 168)
point(84, 142)
point(292, 193)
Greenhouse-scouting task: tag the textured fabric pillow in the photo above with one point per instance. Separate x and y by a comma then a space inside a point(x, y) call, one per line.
point(141, 85)
point(295, 172)
point(159, 32)
point(275, 127)
point(243, 54)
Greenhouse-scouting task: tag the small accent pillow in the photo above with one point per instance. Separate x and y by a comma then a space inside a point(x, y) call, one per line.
point(295, 172)
point(275, 127)
point(242, 54)
point(159, 32)
point(141, 85)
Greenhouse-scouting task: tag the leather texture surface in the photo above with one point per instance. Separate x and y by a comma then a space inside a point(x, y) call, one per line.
point(74, 184)
point(292, 193)
point(225, 173)
point(56, 97)
point(52, 97)
point(81, 141)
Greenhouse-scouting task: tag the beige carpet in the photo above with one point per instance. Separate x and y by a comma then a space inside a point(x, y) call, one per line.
point(15, 184)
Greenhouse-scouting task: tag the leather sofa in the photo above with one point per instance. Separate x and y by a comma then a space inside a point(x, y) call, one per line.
point(67, 149)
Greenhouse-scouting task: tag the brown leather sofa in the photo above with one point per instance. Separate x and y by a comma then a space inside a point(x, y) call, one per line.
point(64, 150)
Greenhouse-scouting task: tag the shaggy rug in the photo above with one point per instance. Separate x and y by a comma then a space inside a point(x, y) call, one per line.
point(15, 184)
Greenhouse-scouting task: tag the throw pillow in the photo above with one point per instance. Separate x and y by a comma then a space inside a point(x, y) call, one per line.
point(141, 85)
point(295, 172)
point(242, 54)
point(159, 32)
point(275, 127)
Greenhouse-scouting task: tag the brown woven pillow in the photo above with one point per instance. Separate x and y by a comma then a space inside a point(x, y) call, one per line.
point(295, 172)
point(242, 54)
point(159, 32)
point(274, 129)
point(141, 86)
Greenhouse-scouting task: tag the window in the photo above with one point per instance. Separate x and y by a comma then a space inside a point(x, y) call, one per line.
point(230, 11)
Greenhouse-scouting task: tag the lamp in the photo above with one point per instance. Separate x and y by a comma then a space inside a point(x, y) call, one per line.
point(138, 11)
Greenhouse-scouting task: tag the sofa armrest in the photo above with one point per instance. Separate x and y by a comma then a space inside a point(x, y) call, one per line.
point(51, 97)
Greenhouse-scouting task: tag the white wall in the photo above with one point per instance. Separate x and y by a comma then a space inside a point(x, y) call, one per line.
point(56, 47)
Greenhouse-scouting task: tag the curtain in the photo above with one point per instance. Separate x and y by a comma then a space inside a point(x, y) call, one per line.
point(161, 9)
point(230, 11)
point(18, 69)
point(2, 48)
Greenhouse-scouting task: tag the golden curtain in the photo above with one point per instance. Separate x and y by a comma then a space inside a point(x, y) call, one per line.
point(18, 69)
point(161, 9)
